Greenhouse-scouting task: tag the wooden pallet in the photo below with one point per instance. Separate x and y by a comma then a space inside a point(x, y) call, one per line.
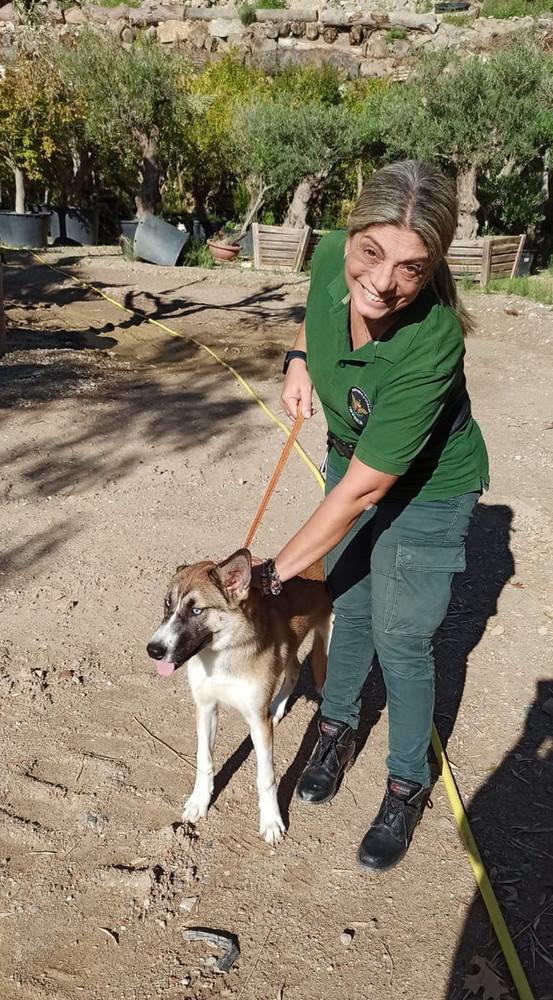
point(485, 257)
point(279, 247)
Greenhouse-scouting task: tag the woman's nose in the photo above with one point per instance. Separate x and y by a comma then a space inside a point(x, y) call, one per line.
point(383, 276)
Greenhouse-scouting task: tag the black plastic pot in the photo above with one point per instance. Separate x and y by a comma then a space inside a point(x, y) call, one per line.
point(451, 6)
point(28, 229)
point(159, 242)
point(127, 228)
point(525, 263)
point(74, 227)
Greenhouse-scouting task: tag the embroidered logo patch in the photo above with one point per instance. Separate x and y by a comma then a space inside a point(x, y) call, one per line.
point(359, 406)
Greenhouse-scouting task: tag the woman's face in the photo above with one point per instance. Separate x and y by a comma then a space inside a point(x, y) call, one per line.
point(385, 268)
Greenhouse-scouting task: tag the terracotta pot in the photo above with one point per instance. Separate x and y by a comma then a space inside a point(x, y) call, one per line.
point(222, 252)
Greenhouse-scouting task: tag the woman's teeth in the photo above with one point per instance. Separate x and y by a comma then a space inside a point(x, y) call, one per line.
point(371, 297)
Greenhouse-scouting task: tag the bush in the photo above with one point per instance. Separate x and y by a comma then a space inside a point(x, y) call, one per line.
point(197, 255)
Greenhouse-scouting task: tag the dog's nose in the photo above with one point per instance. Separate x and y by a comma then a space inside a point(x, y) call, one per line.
point(155, 650)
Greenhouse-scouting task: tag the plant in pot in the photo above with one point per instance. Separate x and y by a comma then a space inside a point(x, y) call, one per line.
point(35, 112)
point(225, 245)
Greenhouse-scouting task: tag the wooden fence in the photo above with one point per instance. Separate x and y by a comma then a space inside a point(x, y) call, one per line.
point(485, 257)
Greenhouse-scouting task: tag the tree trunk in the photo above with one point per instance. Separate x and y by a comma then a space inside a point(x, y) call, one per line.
point(467, 225)
point(148, 198)
point(297, 211)
point(19, 190)
point(359, 173)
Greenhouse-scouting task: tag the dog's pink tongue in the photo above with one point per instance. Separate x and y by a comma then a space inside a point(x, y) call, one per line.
point(165, 668)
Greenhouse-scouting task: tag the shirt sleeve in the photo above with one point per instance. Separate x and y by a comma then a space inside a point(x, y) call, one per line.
point(404, 415)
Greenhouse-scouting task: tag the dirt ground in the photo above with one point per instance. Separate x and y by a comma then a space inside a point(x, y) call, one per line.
point(127, 450)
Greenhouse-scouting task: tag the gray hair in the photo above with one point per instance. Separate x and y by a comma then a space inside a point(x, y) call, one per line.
point(416, 196)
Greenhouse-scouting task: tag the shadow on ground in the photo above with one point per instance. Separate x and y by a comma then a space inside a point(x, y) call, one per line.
point(511, 817)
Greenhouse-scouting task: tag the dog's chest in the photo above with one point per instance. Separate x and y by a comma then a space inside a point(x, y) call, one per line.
point(213, 677)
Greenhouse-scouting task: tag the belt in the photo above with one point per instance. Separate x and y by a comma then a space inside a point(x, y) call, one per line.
point(451, 420)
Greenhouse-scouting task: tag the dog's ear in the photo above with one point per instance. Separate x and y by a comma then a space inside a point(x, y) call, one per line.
point(184, 566)
point(235, 573)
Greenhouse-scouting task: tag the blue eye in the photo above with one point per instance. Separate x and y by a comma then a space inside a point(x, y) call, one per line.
point(197, 611)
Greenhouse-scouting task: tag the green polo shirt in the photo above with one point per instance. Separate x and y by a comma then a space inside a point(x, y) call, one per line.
point(387, 396)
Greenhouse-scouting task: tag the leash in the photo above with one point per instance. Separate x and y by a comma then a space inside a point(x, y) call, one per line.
point(504, 938)
point(274, 478)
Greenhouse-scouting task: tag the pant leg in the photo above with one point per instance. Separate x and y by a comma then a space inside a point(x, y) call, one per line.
point(351, 652)
point(417, 549)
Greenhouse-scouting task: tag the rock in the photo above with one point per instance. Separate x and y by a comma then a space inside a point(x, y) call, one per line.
point(188, 904)
point(312, 32)
point(178, 31)
point(75, 16)
point(144, 16)
point(376, 47)
point(330, 34)
point(356, 34)
point(97, 14)
point(284, 29)
point(547, 706)
point(221, 28)
point(127, 35)
point(197, 33)
point(9, 15)
point(297, 29)
point(95, 821)
point(346, 937)
point(120, 13)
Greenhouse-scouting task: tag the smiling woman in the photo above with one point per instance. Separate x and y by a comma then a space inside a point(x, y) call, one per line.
point(383, 345)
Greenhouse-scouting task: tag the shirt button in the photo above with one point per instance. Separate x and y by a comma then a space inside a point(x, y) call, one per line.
point(341, 364)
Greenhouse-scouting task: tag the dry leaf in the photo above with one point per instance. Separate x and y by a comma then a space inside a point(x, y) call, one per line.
point(485, 979)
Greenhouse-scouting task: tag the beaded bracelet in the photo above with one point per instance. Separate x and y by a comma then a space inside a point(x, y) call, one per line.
point(271, 584)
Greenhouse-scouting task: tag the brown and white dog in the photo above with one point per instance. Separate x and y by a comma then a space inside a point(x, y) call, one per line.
point(238, 644)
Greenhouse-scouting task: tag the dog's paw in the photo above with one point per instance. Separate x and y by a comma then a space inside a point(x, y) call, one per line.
point(194, 809)
point(272, 830)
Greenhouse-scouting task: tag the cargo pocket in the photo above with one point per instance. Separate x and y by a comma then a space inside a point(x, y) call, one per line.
point(419, 587)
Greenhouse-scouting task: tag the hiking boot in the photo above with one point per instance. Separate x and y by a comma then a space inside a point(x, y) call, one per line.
point(331, 757)
point(387, 840)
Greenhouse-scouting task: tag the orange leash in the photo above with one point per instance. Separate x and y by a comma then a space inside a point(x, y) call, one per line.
point(274, 479)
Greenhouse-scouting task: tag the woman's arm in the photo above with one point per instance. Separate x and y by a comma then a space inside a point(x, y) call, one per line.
point(360, 488)
point(297, 389)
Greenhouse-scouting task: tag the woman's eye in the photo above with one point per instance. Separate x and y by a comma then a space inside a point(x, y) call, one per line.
point(371, 253)
point(197, 611)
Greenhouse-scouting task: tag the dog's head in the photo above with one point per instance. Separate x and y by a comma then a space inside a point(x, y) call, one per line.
point(202, 608)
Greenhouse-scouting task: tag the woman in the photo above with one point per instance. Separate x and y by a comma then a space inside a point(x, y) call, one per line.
point(383, 346)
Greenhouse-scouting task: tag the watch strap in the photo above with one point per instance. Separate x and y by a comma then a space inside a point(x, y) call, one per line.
point(289, 356)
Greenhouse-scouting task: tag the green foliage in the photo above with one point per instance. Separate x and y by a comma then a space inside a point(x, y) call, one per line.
point(246, 13)
point(300, 85)
point(533, 286)
point(197, 255)
point(38, 116)
point(515, 8)
point(115, 3)
point(395, 34)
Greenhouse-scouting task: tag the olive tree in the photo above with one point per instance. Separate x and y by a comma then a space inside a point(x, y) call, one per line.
point(473, 115)
point(136, 106)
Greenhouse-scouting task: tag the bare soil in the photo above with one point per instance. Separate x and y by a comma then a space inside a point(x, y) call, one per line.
point(126, 450)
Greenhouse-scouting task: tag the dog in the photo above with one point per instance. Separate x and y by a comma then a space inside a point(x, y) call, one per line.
point(238, 644)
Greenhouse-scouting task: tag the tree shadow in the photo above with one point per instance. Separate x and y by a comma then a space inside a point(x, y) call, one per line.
point(511, 817)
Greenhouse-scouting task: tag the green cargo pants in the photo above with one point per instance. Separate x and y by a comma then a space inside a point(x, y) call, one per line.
point(390, 579)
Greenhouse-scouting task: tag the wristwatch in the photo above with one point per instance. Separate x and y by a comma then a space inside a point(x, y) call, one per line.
point(289, 356)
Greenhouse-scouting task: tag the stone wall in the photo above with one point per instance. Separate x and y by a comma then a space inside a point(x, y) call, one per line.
point(380, 42)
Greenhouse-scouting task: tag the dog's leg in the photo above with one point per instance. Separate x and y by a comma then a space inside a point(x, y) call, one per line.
point(319, 652)
point(279, 702)
point(206, 721)
point(271, 826)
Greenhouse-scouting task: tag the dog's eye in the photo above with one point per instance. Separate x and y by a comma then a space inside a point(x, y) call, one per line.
point(196, 611)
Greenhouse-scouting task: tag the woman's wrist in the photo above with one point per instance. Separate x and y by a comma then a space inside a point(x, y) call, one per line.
point(271, 584)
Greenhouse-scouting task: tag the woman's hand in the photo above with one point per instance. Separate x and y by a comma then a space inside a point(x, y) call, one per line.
point(297, 390)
